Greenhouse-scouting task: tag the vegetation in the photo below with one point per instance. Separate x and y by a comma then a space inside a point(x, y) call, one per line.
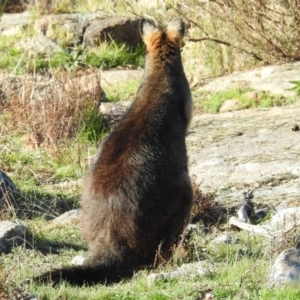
point(245, 97)
point(104, 57)
point(296, 86)
point(47, 158)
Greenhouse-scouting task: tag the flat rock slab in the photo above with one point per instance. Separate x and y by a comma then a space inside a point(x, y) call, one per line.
point(232, 151)
point(275, 79)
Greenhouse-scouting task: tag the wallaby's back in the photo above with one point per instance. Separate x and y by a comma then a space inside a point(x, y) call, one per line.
point(137, 193)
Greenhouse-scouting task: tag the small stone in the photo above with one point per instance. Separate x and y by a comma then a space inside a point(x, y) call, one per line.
point(225, 239)
point(295, 127)
point(190, 270)
point(72, 216)
point(78, 260)
point(230, 105)
point(257, 185)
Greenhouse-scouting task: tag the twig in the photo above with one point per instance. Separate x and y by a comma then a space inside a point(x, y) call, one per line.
point(244, 274)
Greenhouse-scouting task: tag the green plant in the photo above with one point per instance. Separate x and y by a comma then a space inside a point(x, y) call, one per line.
point(246, 98)
point(296, 86)
point(2, 7)
point(108, 56)
point(92, 127)
point(122, 91)
point(214, 101)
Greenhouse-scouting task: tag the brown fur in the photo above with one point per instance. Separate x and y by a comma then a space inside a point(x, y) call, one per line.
point(138, 194)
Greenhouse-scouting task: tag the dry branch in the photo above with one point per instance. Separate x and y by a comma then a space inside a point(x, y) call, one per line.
point(280, 224)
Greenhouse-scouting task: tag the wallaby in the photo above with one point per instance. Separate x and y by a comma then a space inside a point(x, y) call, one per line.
point(137, 195)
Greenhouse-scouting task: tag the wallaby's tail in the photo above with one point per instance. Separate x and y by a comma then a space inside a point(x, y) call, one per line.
point(85, 274)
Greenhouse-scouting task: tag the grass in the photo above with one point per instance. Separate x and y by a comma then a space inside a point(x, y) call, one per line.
point(246, 97)
point(104, 57)
point(296, 87)
point(46, 188)
point(232, 277)
point(122, 91)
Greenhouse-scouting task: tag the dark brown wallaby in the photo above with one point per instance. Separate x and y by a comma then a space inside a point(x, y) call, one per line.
point(137, 194)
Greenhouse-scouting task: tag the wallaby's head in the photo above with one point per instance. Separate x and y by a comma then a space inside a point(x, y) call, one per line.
point(154, 37)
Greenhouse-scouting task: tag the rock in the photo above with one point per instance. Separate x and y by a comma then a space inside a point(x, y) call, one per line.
point(73, 216)
point(295, 127)
point(225, 239)
point(9, 31)
point(190, 270)
point(89, 29)
point(6, 191)
point(195, 229)
point(78, 260)
point(286, 268)
point(254, 95)
point(109, 77)
point(117, 29)
point(112, 113)
point(11, 234)
point(275, 79)
point(268, 151)
point(230, 105)
point(283, 219)
point(39, 44)
point(66, 29)
point(11, 24)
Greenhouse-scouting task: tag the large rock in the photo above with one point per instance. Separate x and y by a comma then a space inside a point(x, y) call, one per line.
point(117, 29)
point(39, 44)
point(274, 78)
point(14, 23)
point(255, 148)
point(11, 234)
point(286, 268)
point(89, 29)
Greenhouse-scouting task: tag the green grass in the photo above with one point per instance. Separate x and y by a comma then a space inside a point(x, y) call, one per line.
point(46, 188)
point(122, 91)
point(296, 87)
point(106, 56)
point(212, 102)
point(240, 278)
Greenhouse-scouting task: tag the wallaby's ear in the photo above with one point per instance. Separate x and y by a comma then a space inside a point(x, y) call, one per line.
point(147, 27)
point(176, 28)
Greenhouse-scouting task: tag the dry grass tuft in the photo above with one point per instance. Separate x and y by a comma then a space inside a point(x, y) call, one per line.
point(205, 208)
point(52, 109)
